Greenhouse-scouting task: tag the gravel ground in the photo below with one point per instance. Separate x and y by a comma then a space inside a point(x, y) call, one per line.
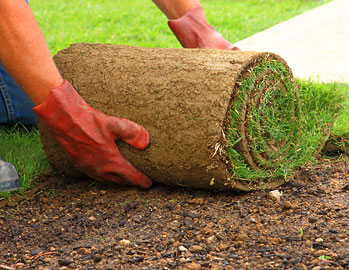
point(71, 224)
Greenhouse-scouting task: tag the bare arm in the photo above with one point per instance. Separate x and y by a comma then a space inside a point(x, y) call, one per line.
point(24, 52)
point(175, 9)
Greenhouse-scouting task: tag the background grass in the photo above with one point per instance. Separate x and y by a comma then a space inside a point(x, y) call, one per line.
point(140, 23)
point(137, 23)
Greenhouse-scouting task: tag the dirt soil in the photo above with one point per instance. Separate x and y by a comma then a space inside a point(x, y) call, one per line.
point(70, 224)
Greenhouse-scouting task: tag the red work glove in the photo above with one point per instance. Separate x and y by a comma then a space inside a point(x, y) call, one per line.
point(88, 136)
point(193, 31)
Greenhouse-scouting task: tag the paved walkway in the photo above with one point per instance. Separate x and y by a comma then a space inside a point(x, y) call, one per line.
point(315, 44)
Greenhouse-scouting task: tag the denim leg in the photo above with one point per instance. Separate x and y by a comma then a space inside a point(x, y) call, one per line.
point(15, 105)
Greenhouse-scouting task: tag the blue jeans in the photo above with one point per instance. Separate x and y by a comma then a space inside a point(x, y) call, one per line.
point(15, 105)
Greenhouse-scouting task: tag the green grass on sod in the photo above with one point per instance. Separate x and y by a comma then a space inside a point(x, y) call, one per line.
point(281, 132)
point(267, 112)
point(140, 23)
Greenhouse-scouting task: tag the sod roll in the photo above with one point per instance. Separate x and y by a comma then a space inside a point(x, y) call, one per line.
point(217, 119)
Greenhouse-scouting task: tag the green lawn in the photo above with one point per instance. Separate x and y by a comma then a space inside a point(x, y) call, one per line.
point(139, 23)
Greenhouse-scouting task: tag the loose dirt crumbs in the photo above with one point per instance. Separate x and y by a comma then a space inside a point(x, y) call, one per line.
point(83, 225)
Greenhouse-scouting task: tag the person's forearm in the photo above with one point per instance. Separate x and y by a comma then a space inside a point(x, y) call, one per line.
point(175, 9)
point(24, 52)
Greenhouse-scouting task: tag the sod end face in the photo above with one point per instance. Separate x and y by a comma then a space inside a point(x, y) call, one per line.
point(264, 128)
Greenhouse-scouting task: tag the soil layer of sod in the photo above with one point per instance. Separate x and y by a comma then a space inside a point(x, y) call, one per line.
point(81, 224)
point(217, 119)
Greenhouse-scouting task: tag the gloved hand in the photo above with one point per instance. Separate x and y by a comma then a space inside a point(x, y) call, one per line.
point(88, 136)
point(193, 31)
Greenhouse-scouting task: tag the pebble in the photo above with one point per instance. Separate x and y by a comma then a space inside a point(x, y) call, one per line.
point(92, 218)
point(288, 205)
point(188, 221)
point(194, 214)
point(183, 260)
point(308, 242)
point(97, 258)
point(19, 265)
point(267, 204)
point(223, 246)
point(125, 242)
point(195, 249)
point(275, 195)
point(47, 259)
point(312, 219)
point(242, 236)
point(321, 252)
point(193, 266)
point(83, 250)
point(208, 230)
point(182, 249)
point(64, 262)
point(319, 240)
point(35, 251)
point(211, 239)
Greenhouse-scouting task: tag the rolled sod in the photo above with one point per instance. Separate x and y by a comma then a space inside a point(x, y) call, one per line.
point(217, 118)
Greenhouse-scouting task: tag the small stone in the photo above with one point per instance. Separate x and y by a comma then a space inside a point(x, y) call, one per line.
point(19, 265)
point(97, 258)
point(267, 204)
point(83, 250)
point(195, 249)
point(312, 219)
point(188, 221)
point(223, 246)
point(182, 249)
point(125, 242)
point(64, 262)
point(92, 218)
point(194, 214)
point(321, 252)
point(176, 244)
point(319, 240)
point(183, 260)
point(308, 242)
point(35, 251)
point(275, 195)
point(242, 236)
point(193, 266)
point(288, 205)
point(47, 259)
point(198, 238)
point(208, 230)
point(211, 239)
